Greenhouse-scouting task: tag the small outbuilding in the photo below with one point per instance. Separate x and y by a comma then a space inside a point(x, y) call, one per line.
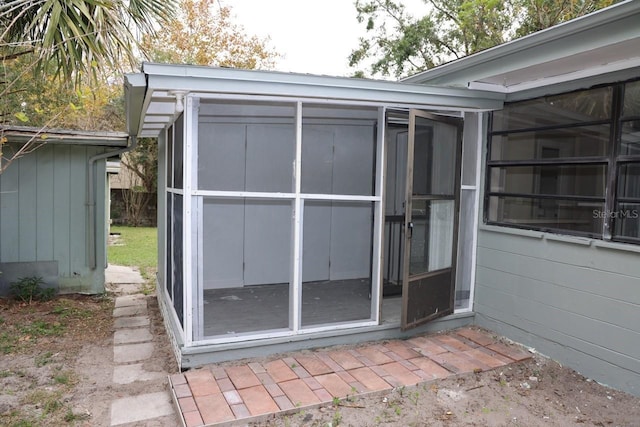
point(500, 190)
point(53, 207)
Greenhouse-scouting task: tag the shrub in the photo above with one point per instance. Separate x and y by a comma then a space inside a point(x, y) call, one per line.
point(28, 289)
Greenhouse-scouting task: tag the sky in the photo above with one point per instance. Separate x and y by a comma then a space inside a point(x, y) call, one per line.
point(313, 36)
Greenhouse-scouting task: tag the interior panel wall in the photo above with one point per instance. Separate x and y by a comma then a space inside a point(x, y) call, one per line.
point(317, 159)
point(238, 248)
point(223, 243)
point(353, 160)
point(267, 241)
point(316, 247)
point(571, 300)
point(221, 156)
point(351, 228)
point(269, 158)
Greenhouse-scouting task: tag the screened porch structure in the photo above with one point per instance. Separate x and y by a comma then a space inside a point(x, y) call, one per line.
point(300, 208)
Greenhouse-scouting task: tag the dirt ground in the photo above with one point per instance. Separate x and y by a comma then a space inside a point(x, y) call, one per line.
point(56, 365)
point(56, 361)
point(537, 392)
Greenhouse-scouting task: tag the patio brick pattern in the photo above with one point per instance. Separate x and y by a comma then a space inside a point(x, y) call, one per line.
point(215, 395)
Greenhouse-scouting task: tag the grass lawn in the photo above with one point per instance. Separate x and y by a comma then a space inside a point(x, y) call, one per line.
point(137, 246)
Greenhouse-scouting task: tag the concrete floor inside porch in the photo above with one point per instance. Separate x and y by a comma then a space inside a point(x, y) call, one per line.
point(252, 390)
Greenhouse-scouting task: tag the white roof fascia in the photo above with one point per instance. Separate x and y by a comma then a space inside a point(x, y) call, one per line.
point(135, 89)
point(163, 81)
point(562, 78)
point(599, 29)
point(220, 80)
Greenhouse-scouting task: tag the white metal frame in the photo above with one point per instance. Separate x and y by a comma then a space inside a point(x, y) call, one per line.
point(193, 221)
point(167, 243)
point(295, 301)
point(476, 213)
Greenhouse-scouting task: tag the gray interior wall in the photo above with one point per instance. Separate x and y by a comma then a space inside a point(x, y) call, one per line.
point(248, 242)
point(43, 217)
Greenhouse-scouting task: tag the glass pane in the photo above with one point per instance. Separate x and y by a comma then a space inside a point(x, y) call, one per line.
point(577, 107)
point(432, 236)
point(177, 257)
point(336, 271)
point(170, 157)
point(588, 141)
point(168, 275)
point(470, 149)
point(627, 220)
point(178, 154)
point(629, 180)
point(464, 267)
point(572, 180)
point(246, 146)
point(630, 139)
point(434, 158)
point(246, 258)
point(632, 99)
point(547, 213)
point(338, 150)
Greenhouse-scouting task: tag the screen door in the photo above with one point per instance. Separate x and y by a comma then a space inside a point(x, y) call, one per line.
point(431, 220)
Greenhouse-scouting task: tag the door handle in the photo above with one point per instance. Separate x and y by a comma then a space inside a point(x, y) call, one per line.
point(410, 229)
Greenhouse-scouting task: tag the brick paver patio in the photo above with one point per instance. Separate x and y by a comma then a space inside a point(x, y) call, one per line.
point(215, 395)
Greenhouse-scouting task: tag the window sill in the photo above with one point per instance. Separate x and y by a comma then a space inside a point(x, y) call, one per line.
point(576, 240)
point(618, 246)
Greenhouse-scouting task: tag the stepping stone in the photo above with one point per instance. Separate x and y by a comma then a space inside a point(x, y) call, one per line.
point(139, 408)
point(126, 374)
point(135, 310)
point(131, 322)
point(132, 352)
point(129, 336)
point(130, 300)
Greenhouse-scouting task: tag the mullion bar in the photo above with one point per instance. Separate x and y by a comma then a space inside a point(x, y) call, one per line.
point(547, 196)
point(551, 127)
point(545, 162)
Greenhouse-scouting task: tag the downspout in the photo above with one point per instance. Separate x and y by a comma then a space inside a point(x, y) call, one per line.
point(133, 143)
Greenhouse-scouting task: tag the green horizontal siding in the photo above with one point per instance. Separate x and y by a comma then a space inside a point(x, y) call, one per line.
point(573, 301)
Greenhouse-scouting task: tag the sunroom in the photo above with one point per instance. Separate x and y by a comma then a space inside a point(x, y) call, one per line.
point(300, 211)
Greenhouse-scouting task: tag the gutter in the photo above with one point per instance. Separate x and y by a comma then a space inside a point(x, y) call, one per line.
point(91, 171)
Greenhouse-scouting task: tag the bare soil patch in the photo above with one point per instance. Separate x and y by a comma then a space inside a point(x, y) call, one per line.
point(56, 365)
point(39, 346)
point(536, 392)
point(56, 362)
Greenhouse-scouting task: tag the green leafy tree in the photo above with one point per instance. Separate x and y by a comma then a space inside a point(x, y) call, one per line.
point(204, 34)
point(78, 36)
point(398, 44)
point(541, 14)
point(55, 54)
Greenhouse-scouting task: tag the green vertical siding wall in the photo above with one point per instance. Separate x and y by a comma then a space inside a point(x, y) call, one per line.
point(43, 218)
point(575, 300)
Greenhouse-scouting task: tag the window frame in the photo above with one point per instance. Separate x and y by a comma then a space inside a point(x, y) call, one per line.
point(613, 163)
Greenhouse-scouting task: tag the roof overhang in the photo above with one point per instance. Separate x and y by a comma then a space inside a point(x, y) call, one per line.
point(574, 54)
point(23, 134)
point(154, 94)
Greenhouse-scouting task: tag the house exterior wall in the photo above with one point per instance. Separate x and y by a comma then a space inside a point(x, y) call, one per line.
point(43, 219)
point(573, 299)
